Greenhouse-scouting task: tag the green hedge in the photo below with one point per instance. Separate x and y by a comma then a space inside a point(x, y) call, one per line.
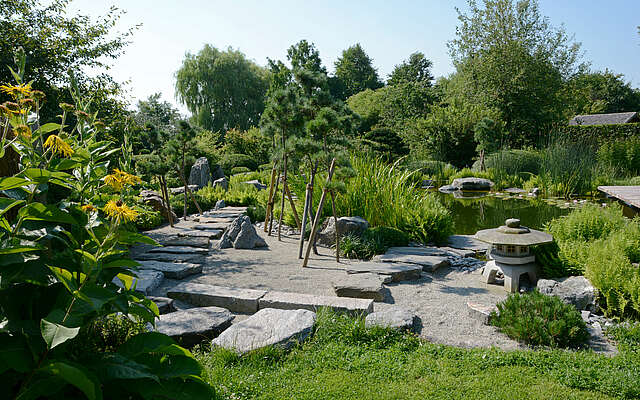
point(598, 134)
point(231, 161)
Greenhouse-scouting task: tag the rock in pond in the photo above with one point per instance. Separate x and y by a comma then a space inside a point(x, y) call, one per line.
point(447, 189)
point(576, 290)
point(395, 318)
point(472, 183)
point(194, 325)
point(346, 225)
point(268, 327)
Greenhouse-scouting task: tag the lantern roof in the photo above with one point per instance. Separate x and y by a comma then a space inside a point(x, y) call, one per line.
point(512, 233)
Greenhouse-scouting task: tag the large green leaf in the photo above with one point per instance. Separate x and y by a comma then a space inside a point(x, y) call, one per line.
point(126, 237)
point(7, 204)
point(121, 263)
point(42, 388)
point(55, 334)
point(152, 342)
point(117, 366)
point(44, 175)
point(75, 376)
point(49, 213)
point(50, 127)
point(13, 182)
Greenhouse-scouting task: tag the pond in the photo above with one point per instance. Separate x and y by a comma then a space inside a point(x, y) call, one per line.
point(474, 213)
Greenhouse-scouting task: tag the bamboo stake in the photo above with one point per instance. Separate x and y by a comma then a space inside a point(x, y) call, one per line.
point(273, 178)
point(314, 228)
point(293, 205)
point(284, 185)
point(193, 198)
point(335, 220)
point(165, 198)
point(305, 212)
point(273, 200)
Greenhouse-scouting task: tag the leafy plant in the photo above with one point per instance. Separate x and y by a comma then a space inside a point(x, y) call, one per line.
point(231, 161)
point(540, 320)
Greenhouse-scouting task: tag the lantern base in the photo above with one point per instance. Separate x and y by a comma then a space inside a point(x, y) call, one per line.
point(512, 274)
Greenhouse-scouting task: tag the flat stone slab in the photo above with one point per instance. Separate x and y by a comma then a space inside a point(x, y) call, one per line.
point(191, 241)
point(481, 312)
point(268, 327)
point(467, 242)
point(294, 301)
point(360, 286)
point(458, 252)
point(233, 299)
point(397, 272)
point(195, 325)
point(172, 270)
point(420, 251)
point(179, 250)
point(396, 318)
point(428, 263)
point(170, 257)
point(146, 281)
point(208, 233)
point(165, 304)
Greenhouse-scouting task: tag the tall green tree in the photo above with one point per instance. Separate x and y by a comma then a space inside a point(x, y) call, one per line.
point(222, 89)
point(355, 71)
point(510, 58)
point(601, 92)
point(417, 69)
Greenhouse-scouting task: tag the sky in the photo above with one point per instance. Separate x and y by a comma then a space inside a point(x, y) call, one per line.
point(389, 31)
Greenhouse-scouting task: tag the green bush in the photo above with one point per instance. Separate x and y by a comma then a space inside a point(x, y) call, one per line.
point(384, 195)
point(567, 169)
point(256, 213)
point(439, 171)
point(357, 247)
point(387, 237)
point(597, 134)
point(621, 156)
point(588, 223)
point(512, 162)
point(468, 173)
point(231, 161)
point(539, 320)
point(147, 218)
point(239, 170)
point(106, 334)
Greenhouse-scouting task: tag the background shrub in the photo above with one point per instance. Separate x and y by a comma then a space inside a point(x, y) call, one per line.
point(147, 218)
point(239, 170)
point(231, 161)
point(539, 320)
point(387, 236)
point(621, 156)
point(439, 171)
point(512, 162)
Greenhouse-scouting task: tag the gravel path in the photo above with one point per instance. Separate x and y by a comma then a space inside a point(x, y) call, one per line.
point(439, 299)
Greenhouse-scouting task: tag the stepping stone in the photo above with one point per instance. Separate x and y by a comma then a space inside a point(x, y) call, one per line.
point(294, 301)
point(195, 325)
point(419, 251)
point(268, 327)
point(458, 252)
point(192, 241)
point(165, 304)
point(211, 234)
point(179, 250)
point(146, 282)
point(467, 242)
point(397, 272)
point(233, 299)
point(480, 312)
point(361, 286)
point(395, 318)
point(428, 263)
point(172, 270)
point(172, 258)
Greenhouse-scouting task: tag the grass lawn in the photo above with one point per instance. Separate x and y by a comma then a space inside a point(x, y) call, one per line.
point(344, 360)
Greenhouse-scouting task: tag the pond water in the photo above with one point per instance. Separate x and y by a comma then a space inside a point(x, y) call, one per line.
point(472, 214)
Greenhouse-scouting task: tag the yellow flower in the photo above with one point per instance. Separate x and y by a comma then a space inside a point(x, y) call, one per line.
point(18, 91)
point(59, 146)
point(24, 131)
point(117, 179)
point(88, 208)
point(119, 212)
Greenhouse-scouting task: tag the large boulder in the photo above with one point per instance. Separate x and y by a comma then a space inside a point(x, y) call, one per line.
point(200, 173)
point(241, 234)
point(268, 327)
point(576, 290)
point(154, 199)
point(472, 183)
point(222, 182)
point(346, 225)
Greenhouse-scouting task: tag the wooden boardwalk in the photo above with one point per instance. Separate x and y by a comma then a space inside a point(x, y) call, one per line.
point(627, 194)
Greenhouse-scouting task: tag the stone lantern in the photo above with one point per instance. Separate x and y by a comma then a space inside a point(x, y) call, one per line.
point(510, 252)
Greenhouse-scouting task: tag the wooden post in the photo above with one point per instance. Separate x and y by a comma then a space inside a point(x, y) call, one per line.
point(293, 205)
point(305, 212)
point(335, 220)
point(284, 185)
point(314, 228)
point(269, 204)
point(273, 200)
point(165, 198)
point(193, 198)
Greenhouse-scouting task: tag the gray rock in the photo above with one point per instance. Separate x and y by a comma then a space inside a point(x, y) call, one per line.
point(515, 191)
point(428, 263)
point(222, 182)
point(395, 318)
point(447, 189)
point(165, 304)
point(195, 325)
point(346, 225)
point(295, 301)
point(576, 290)
point(217, 173)
point(170, 257)
point(480, 312)
point(154, 199)
point(191, 241)
point(256, 184)
point(179, 250)
point(268, 327)
point(172, 270)
point(233, 299)
point(180, 190)
point(208, 231)
point(241, 234)
point(146, 281)
point(472, 183)
point(200, 173)
point(467, 242)
point(220, 204)
point(360, 286)
point(398, 272)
